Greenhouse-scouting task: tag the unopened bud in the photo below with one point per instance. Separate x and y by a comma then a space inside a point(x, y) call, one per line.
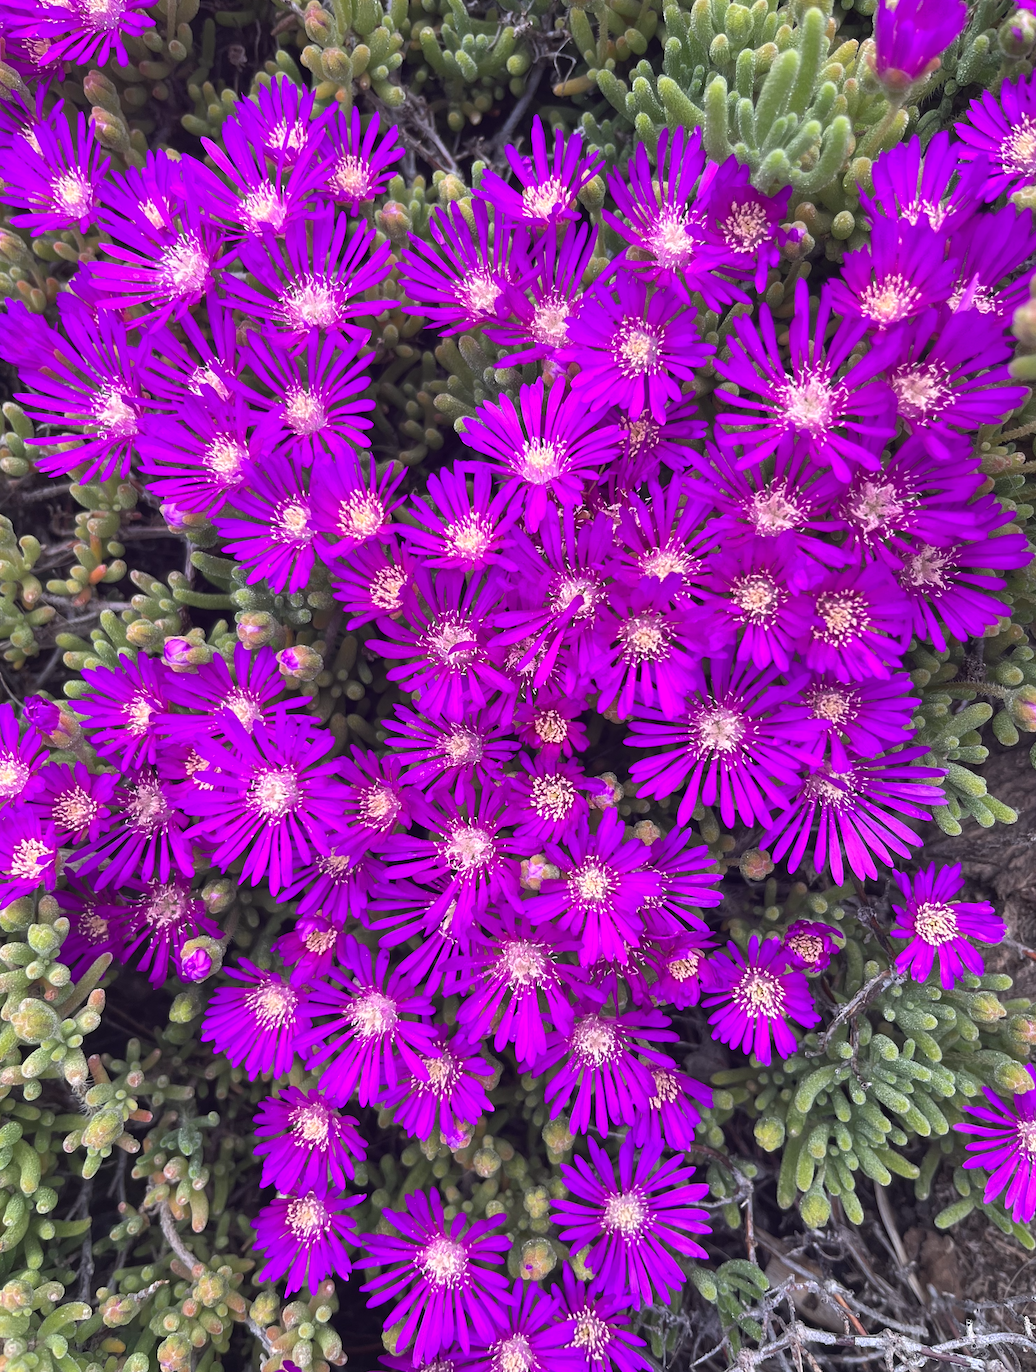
point(394, 221)
point(609, 792)
point(103, 1129)
point(1017, 34)
point(200, 958)
point(320, 26)
point(538, 1259)
point(258, 629)
point(985, 1008)
point(110, 130)
point(183, 655)
point(755, 865)
point(1022, 708)
point(536, 869)
point(451, 188)
point(300, 662)
point(34, 1020)
point(217, 895)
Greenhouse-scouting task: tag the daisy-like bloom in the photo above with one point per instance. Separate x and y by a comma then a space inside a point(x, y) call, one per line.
point(681, 967)
point(360, 163)
point(599, 894)
point(462, 525)
point(257, 1024)
point(306, 1145)
point(314, 281)
point(743, 220)
point(671, 1116)
point(269, 797)
point(937, 184)
point(756, 600)
point(258, 198)
point(378, 798)
point(78, 802)
point(634, 1218)
point(673, 246)
point(157, 924)
point(663, 538)
point(601, 1320)
point(547, 798)
point(687, 881)
point(304, 1239)
point(459, 281)
point(458, 754)
point(337, 886)
point(648, 446)
point(123, 711)
point(212, 696)
point(77, 31)
point(198, 353)
point(541, 311)
point(21, 758)
point(531, 1333)
point(449, 1094)
point(604, 1066)
point(549, 182)
point(268, 525)
point(29, 855)
point(809, 946)
point(910, 36)
point(549, 445)
point(146, 836)
point(441, 1275)
point(1005, 1148)
point(944, 588)
point(372, 1038)
point(55, 183)
point(352, 504)
point(633, 348)
point(317, 401)
point(653, 654)
point(199, 458)
point(164, 261)
point(949, 376)
point(902, 272)
point(841, 418)
point(754, 995)
point(866, 717)
point(1000, 131)
point(519, 984)
point(94, 929)
point(857, 812)
point(375, 581)
point(444, 633)
point(990, 248)
point(314, 945)
point(858, 627)
point(732, 747)
point(939, 927)
point(89, 389)
point(278, 117)
point(551, 722)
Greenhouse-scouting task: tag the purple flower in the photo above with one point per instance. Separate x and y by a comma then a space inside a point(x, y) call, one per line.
point(304, 1239)
point(377, 800)
point(732, 747)
point(664, 537)
point(529, 1334)
point(457, 754)
point(603, 1076)
point(911, 35)
point(214, 696)
point(756, 599)
point(867, 717)
point(743, 220)
point(124, 709)
point(902, 272)
point(352, 505)
point(306, 1145)
point(809, 946)
point(841, 418)
point(552, 722)
point(360, 163)
point(440, 1275)
point(29, 856)
point(546, 799)
point(755, 995)
point(337, 886)
point(374, 581)
point(990, 248)
point(460, 280)
point(268, 526)
point(258, 198)
point(94, 930)
point(686, 883)
point(202, 456)
point(654, 653)
point(857, 809)
point(632, 349)
point(1005, 1147)
point(549, 184)
point(279, 118)
point(157, 924)
point(461, 526)
point(1000, 133)
point(257, 1024)
point(542, 309)
point(268, 797)
point(682, 964)
point(146, 836)
point(550, 445)
point(634, 1218)
point(858, 628)
point(314, 945)
point(937, 184)
point(600, 1332)
point(77, 32)
point(21, 758)
point(449, 1094)
point(56, 182)
point(671, 1115)
point(939, 927)
point(369, 1041)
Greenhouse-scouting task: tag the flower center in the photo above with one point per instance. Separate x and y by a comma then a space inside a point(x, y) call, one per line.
point(719, 730)
point(478, 293)
point(29, 858)
point(313, 303)
point(540, 462)
point(290, 522)
point(671, 240)
point(747, 226)
point(593, 882)
point(1027, 1137)
point(626, 1214)
point(889, 300)
point(72, 194)
point(373, 1015)
point(307, 1218)
point(809, 948)
point(833, 705)
point(845, 616)
point(378, 807)
point(304, 411)
point(760, 993)
point(550, 318)
point(275, 792)
point(114, 414)
point(351, 178)
point(758, 597)
point(667, 1089)
point(936, 923)
point(573, 588)
point(462, 746)
point(13, 776)
point(551, 726)
point(443, 1074)
point(1018, 150)
point(93, 927)
point(921, 392)
point(553, 797)
point(320, 941)
point(771, 511)
point(360, 516)
point(540, 202)
point(524, 963)
point(73, 810)
point(637, 349)
point(646, 637)
point(312, 1123)
point(514, 1355)
point(809, 405)
point(876, 507)
point(205, 376)
point(225, 457)
point(594, 1041)
point(386, 589)
point(183, 269)
point(443, 1262)
point(452, 643)
point(468, 847)
point(272, 1004)
point(264, 208)
point(683, 969)
point(245, 707)
point(468, 538)
point(167, 906)
point(147, 808)
point(925, 568)
point(830, 788)
point(667, 561)
point(138, 712)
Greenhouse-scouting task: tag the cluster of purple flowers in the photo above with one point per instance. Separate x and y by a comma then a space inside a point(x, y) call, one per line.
point(740, 594)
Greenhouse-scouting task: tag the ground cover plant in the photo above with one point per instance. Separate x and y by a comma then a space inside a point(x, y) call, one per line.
point(514, 577)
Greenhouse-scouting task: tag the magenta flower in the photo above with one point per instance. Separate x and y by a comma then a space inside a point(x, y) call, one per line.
point(268, 525)
point(1005, 1148)
point(258, 198)
point(461, 526)
point(315, 944)
point(686, 882)
point(742, 219)
point(990, 248)
point(78, 802)
point(940, 927)
point(864, 718)
point(278, 117)
point(377, 799)
point(77, 32)
point(547, 798)
point(600, 1332)
point(123, 711)
point(858, 624)
point(218, 700)
point(754, 995)
point(460, 755)
point(157, 924)
point(634, 1218)
point(146, 836)
point(542, 309)
point(549, 183)
point(902, 272)
point(440, 1274)
point(374, 581)
point(857, 810)
point(756, 599)
point(94, 930)
point(21, 758)
point(550, 445)
point(306, 1145)
point(530, 1333)
point(810, 946)
point(304, 1239)
point(552, 722)
point(938, 185)
point(449, 1094)
point(257, 1024)
point(671, 1116)
point(911, 35)
point(1000, 134)
point(681, 964)
point(653, 656)
point(360, 163)
point(29, 856)
point(56, 182)
point(665, 537)
point(633, 349)
point(202, 456)
point(352, 505)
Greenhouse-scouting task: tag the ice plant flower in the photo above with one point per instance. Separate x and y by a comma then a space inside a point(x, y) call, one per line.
point(304, 1239)
point(902, 272)
point(268, 525)
point(29, 856)
point(360, 162)
point(306, 1144)
point(634, 1217)
point(600, 1317)
point(810, 946)
point(754, 995)
point(449, 1095)
point(440, 1274)
point(1002, 130)
point(163, 917)
point(257, 1023)
point(1004, 1146)
point(910, 36)
point(549, 182)
point(531, 1333)
point(123, 711)
point(56, 182)
point(939, 927)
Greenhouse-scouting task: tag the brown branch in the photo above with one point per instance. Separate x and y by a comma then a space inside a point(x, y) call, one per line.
point(868, 992)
